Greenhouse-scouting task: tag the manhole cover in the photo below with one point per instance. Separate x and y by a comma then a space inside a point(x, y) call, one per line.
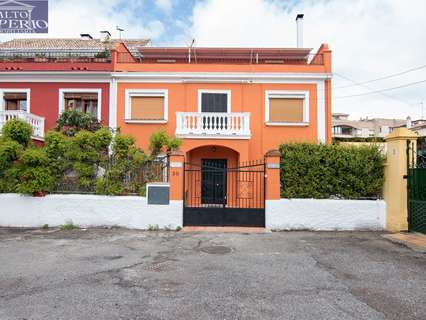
point(216, 250)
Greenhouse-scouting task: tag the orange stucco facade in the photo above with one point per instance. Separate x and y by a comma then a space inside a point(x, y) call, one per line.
point(244, 98)
point(247, 84)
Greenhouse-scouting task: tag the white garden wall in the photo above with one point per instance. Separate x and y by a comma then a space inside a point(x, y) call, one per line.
point(87, 211)
point(313, 214)
point(134, 212)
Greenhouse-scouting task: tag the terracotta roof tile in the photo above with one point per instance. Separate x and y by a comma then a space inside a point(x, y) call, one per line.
point(69, 44)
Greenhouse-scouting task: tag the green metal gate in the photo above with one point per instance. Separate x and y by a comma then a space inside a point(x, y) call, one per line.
point(416, 183)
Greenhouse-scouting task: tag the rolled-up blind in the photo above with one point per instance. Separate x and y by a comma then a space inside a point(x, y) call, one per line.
point(286, 110)
point(15, 96)
point(147, 108)
point(78, 95)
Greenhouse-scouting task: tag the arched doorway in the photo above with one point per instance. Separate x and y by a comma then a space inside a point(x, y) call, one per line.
point(220, 191)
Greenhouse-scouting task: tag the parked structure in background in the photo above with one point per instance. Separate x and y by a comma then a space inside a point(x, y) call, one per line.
point(343, 127)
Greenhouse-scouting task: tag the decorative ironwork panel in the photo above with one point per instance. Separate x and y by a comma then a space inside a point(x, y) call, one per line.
point(416, 183)
point(218, 195)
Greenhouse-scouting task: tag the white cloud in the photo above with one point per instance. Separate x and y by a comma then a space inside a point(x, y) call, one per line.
point(165, 5)
point(369, 39)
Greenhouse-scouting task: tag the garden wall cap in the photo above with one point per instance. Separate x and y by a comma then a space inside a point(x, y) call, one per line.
point(401, 134)
point(273, 153)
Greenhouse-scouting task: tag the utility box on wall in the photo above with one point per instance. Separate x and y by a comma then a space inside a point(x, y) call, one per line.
point(158, 193)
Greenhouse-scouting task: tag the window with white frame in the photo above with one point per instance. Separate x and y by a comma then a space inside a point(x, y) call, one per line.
point(146, 106)
point(82, 100)
point(214, 101)
point(15, 99)
point(287, 108)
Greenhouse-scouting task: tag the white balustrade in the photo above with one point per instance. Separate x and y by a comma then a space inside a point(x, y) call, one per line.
point(36, 122)
point(213, 124)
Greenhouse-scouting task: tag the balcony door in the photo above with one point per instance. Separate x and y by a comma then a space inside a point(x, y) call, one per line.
point(214, 102)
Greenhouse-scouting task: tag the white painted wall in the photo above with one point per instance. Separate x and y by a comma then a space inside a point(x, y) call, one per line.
point(87, 211)
point(134, 212)
point(313, 214)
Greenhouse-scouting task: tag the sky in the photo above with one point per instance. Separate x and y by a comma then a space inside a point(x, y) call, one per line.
point(370, 39)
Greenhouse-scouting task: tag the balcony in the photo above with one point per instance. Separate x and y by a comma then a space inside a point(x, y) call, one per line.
point(213, 125)
point(36, 122)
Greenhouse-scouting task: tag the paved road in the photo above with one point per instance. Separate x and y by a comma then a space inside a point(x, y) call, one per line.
point(124, 274)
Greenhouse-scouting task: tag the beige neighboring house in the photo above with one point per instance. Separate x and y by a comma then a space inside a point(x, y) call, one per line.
point(343, 127)
point(418, 126)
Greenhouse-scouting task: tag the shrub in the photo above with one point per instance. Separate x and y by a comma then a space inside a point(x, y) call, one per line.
point(34, 157)
point(121, 145)
point(102, 139)
point(324, 171)
point(34, 174)
point(10, 151)
point(125, 161)
point(87, 152)
point(56, 146)
point(160, 140)
point(174, 143)
point(157, 141)
point(70, 122)
point(18, 130)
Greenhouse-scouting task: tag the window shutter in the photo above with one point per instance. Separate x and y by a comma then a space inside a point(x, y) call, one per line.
point(286, 110)
point(147, 108)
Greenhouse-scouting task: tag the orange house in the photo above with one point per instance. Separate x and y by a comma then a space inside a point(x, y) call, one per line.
point(246, 100)
point(230, 106)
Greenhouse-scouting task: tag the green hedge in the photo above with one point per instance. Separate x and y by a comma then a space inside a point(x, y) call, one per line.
point(84, 161)
point(328, 171)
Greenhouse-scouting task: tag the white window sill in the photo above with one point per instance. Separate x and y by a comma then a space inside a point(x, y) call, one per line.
point(145, 121)
point(288, 124)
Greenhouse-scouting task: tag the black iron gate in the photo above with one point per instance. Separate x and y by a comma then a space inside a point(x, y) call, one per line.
point(216, 194)
point(416, 183)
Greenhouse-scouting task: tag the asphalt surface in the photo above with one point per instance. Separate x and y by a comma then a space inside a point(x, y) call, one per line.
point(126, 274)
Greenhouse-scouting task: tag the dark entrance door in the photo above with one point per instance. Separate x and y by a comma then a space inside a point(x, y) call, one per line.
point(213, 181)
point(218, 195)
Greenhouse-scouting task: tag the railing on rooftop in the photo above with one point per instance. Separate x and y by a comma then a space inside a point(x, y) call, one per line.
point(83, 56)
point(225, 57)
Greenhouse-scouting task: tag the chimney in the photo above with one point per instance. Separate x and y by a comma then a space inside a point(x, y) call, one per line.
point(105, 36)
point(408, 122)
point(86, 36)
point(299, 23)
